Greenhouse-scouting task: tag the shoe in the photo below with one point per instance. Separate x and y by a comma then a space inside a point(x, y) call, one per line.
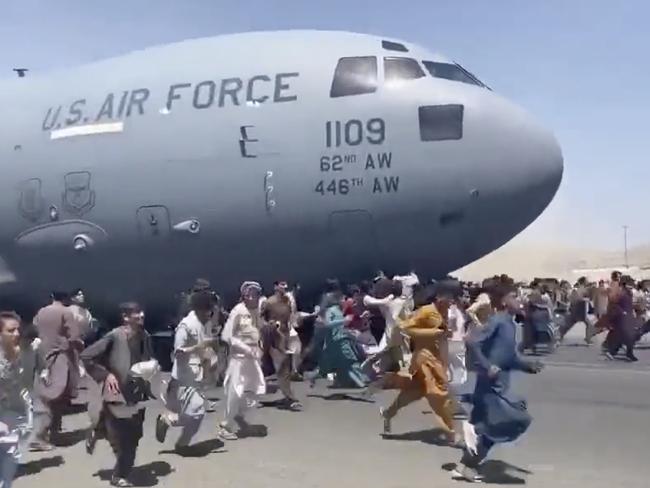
point(40, 446)
point(161, 428)
point(609, 356)
point(467, 474)
point(294, 405)
point(297, 377)
point(120, 482)
point(387, 423)
point(226, 434)
point(632, 358)
point(91, 440)
point(211, 407)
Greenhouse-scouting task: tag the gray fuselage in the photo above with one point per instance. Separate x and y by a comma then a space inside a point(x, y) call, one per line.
point(229, 158)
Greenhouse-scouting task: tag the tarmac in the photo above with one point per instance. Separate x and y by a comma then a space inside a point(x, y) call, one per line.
point(591, 428)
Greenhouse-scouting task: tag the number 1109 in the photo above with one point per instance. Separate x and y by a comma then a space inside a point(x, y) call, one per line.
point(354, 132)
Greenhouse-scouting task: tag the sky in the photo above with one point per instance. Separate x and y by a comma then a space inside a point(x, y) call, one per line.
point(580, 66)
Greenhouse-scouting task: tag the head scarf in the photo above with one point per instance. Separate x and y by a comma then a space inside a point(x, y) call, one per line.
point(248, 286)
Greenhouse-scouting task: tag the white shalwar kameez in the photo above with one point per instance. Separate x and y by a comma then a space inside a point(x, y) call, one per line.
point(457, 374)
point(244, 378)
point(186, 397)
point(408, 282)
point(393, 310)
point(392, 347)
point(457, 370)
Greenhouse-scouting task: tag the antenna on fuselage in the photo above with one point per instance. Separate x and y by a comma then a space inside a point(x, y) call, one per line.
point(21, 72)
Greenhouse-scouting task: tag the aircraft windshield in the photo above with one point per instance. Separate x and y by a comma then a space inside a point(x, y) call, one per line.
point(354, 76)
point(400, 69)
point(453, 72)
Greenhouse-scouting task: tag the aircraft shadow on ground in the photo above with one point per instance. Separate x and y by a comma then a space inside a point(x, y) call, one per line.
point(145, 476)
point(35, 467)
point(201, 449)
point(434, 437)
point(497, 472)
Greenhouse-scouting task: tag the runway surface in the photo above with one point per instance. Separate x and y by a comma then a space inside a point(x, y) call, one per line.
point(591, 428)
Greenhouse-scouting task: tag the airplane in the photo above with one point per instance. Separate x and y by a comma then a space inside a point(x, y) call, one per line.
point(295, 155)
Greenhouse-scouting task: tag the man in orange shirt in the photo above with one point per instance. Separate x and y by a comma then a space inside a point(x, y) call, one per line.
point(427, 378)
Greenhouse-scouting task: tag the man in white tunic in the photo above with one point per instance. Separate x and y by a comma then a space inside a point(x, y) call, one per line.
point(185, 398)
point(480, 311)
point(456, 358)
point(244, 377)
point(457, 375)
point(393, 309)
point(408, 282)
point(392, 347)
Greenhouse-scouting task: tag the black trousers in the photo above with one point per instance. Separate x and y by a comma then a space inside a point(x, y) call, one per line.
point(123, 434)
point(48, 418)
point(618, 337)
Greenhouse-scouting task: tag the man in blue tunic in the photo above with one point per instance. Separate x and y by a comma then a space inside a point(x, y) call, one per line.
point(497, 416)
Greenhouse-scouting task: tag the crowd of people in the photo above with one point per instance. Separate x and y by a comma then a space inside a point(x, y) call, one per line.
point(419, 338)
point(620, 306)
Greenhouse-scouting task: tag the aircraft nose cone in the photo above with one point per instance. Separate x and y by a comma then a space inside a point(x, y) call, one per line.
point(543, 165)
point(527, 156)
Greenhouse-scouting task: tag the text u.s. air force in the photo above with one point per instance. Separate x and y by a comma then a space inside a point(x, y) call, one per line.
point(117, 105)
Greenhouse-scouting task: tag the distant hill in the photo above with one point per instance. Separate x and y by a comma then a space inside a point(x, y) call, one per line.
point(527, 261)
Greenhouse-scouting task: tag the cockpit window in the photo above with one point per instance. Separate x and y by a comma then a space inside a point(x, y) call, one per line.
point(400, 69)
point(441, 122)
point(354, 76)
point(394, 46)
point(453, 72)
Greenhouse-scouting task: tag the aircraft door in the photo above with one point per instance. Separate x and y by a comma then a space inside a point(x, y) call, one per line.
point(153, 222)
point(31, 204)
point(355, 242)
